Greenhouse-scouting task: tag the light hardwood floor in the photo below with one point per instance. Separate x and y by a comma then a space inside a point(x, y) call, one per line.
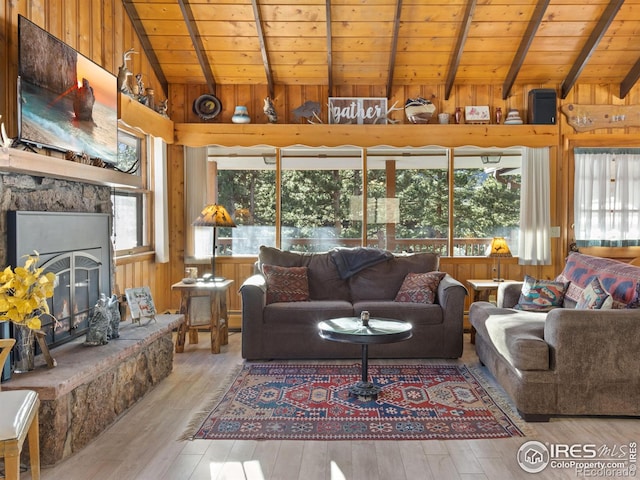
point(144, 443)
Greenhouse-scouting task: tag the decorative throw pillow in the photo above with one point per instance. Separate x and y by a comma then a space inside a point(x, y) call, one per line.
point(420, 287)
point(594, 297)
point(635, 303)
point(286, 284)
point(541, 295)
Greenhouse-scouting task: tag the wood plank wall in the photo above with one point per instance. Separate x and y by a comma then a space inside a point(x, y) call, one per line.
point(101, 30)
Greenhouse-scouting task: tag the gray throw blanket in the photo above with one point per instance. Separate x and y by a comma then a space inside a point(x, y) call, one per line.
point(351, 260)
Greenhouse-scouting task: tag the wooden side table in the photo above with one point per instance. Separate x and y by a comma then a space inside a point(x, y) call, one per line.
point(218, 326)
point(482, 289)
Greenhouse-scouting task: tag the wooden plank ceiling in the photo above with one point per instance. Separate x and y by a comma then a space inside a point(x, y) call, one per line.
point(554, 43)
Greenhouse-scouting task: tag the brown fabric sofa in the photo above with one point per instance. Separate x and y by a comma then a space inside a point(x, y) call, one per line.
point(567, 361)
point(289, 330)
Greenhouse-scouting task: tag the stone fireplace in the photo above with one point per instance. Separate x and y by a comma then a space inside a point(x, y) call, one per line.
point(77, 248)
point(28, 193)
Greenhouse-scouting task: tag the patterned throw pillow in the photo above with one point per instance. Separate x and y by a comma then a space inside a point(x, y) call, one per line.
point(594, 297)
point(286, 284)
point(420, 287)
point(541, 295)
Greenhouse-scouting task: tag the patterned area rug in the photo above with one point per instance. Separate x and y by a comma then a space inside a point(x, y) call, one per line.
point(312, 402)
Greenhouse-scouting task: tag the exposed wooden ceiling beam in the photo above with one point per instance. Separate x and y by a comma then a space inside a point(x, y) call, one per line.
point(457, 51)
point(146, 44)
point(630, 80)
point(198, 46)
point(263, 46)
point(591, 44)
point(329, 50)
point(518, 60)
point(394, 47)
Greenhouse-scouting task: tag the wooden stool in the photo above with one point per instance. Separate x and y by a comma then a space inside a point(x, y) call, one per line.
point(19, 418)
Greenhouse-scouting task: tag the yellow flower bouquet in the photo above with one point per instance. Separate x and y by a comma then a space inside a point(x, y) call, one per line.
point(24, 292)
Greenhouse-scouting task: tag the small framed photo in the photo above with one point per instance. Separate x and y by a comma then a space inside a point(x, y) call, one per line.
point(477, 114)
point(140, 304)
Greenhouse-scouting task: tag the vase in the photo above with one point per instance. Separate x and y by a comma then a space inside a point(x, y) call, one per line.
point(457, 116)
point(498, 115)
point(23, 350)
point(240, 115)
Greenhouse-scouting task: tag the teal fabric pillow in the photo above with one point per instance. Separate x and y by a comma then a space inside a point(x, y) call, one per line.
point(594, 297)
point(541, 295)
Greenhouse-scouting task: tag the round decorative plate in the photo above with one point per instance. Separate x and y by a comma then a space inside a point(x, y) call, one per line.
point(207, 106)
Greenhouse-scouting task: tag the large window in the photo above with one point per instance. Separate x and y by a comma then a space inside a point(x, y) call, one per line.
point(486, 200)
point(606, 197)
point(318, 191)
point(246, 186)
point(408, 199)
point(448, 201)
point(130, 208)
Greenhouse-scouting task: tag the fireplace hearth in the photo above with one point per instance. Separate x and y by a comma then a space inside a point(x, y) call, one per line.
point(77, 248)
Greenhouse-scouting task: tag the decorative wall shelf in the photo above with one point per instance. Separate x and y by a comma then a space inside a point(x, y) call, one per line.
point(140, 117)
point(282, 135)
point(20, 161)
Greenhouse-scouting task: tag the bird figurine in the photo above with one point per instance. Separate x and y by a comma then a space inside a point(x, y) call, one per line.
point(270, 110)
point(124, 74)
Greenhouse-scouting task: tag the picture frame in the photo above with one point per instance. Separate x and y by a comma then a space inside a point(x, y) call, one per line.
point(477, 114)
point(140, 303)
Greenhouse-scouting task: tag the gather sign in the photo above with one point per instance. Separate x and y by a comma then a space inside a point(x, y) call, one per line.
point(357, 110)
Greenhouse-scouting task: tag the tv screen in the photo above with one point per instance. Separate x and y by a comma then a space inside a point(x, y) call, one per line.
point(65, 101)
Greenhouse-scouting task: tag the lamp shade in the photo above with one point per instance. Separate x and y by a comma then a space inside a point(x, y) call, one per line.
point(499, 248)
point(214, 215)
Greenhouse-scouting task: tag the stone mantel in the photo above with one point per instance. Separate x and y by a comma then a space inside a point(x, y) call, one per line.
point(91, 386)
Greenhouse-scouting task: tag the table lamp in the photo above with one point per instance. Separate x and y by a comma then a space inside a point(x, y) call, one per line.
point(214, 216)
point(499, 249)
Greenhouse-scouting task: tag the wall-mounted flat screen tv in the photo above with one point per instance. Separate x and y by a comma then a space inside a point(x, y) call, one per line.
point(66, 102)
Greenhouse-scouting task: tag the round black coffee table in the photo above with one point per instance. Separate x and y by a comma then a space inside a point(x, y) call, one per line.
point(352, 330)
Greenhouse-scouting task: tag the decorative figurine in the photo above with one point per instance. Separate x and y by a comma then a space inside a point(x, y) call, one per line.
point(308, 110)
point(162, 107)
point(98, 333)
point(124, 74)
point(113, 307)
point(270, 110)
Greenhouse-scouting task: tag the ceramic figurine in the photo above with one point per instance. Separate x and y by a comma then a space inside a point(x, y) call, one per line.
point(498, 115)
point(124, 74)
point(113, 306)
point(98, 333)
point(270, 110)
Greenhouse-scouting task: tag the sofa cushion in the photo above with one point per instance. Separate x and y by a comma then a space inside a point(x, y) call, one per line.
point(286, 284)
point(414, 313)
point(324, 281)
point(278, 315)
point(382, 281)
point(618, 278)
point(541, 295)
point(420, 287)
point(517, 335)
point(594, 297)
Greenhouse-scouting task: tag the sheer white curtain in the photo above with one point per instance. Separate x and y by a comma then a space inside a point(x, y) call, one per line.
point(535, 216)
point(607, 197)
point(195, 187)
